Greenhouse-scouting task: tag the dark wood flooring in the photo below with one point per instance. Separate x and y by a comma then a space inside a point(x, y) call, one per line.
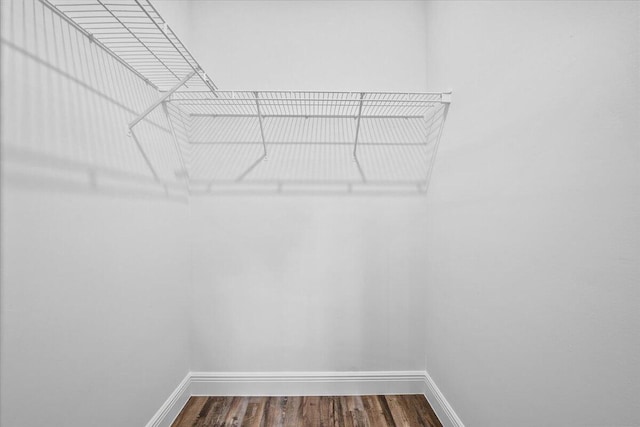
point(334, 411)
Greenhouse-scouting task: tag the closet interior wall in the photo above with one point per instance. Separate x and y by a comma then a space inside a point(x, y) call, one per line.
point(532, 237)
point(302, 282)
point(95, 268)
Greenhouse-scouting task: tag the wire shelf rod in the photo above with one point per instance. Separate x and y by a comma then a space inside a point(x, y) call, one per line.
point(308, 116)
point(327, 143)
point(321, 92)
point(304, 182)
point(317, 101)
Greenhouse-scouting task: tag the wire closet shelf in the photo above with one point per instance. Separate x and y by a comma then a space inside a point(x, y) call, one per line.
point(257, 140)
point(134, 33)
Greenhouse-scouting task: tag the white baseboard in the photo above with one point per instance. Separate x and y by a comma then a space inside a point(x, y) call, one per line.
point(439, 403)
point(304, 384)
point(173, 405)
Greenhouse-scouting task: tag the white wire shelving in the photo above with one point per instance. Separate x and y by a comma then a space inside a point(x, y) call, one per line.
point(135, 33)
point(264, 140)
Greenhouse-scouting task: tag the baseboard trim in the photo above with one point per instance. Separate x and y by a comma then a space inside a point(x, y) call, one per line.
point(439, 403)
point(306, 383)
point(173, 405)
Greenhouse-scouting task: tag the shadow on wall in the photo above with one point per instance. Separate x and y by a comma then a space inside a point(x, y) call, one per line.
point(67, 103)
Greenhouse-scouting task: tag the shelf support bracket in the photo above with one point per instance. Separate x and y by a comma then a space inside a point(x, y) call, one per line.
point(137, 120)
point(144, 156)
point(364, 179)
point(264, 144)
point(250, 168)
point(355, 144)
point(174, 136)
point(162, 99)
point(446, 101)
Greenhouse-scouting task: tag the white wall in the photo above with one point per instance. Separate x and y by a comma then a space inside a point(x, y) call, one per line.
point(303, 283)
point(309, 283)
point(311, 45)
point(533, 241)
point(94, 326)
point(94, 320)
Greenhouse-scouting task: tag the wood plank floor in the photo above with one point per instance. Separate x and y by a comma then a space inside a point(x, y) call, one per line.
point(335, 411)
